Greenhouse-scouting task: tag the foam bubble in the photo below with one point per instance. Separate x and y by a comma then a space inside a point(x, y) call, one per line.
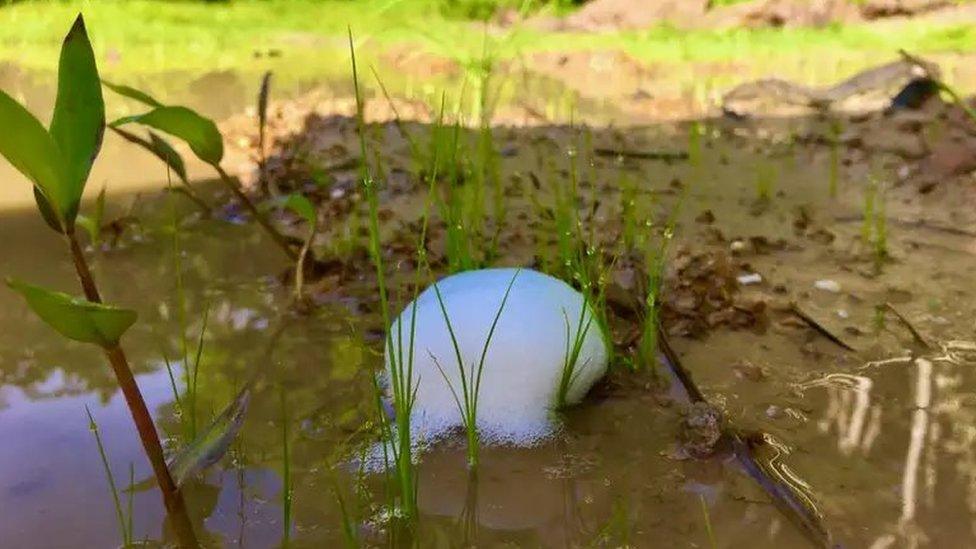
point(523, 364)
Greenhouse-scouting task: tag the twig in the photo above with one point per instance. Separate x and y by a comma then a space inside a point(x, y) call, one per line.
point(908, 325)
point(667, 156)
point(916, 224)
point(819, 328)
point(276, 236)
point(795, 507)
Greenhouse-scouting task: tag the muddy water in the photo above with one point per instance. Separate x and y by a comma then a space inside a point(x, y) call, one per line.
point(881, 440)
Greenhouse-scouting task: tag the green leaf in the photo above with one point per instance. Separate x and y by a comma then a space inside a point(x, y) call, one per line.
point(47, 211)
point(301, 206)
point(200, 133)
point(76, 318)
point(28, 147)
point(79, 114)
point(211, 445)
point(93, 224)
point(159, 147)
point(132, 93)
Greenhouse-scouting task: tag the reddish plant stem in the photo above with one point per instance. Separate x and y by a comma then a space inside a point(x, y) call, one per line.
point(172, 497)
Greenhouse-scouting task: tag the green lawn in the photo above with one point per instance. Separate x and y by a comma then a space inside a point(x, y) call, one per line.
point(149, 40)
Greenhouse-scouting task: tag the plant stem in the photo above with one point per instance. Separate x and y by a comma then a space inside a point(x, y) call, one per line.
point(172, 498)
point(278, 238)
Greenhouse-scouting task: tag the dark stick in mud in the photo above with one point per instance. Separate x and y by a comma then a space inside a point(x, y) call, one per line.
point(276, 236)
point(172, 497)
point(819, 328)
point(666, 156)
point(916, 335)
point(783, 496)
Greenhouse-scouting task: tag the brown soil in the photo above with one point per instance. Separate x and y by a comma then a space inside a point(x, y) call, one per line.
point(606, 15)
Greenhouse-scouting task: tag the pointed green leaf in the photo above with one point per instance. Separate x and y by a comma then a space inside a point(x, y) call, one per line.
point(200, 133)
point(132, 93)
point(76, 318)
point(301, 206)
point(79, 112)
point(93, 223)
point(211, 445)
point(159, 147)
point(26, 144)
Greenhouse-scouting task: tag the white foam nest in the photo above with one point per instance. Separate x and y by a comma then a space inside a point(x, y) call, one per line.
point(524, 361)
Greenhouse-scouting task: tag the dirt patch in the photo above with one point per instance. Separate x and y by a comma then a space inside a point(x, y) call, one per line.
point(608, 15)
point(875, 9)
point(795, 13)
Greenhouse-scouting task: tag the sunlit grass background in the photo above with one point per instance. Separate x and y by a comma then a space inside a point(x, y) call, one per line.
point(305, 38)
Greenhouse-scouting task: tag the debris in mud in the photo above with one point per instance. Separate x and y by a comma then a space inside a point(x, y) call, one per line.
point(702, 294)
point(700, 431)
point(749, 371)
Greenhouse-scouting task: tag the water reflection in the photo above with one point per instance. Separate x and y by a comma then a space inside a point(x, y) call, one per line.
point(919, 408)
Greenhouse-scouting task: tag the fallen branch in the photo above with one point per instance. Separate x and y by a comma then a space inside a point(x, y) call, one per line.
point(795, 506)
point(667, 156)
point(908, 325)
point(819, 328)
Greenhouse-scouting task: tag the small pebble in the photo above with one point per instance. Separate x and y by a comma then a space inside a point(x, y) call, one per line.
point(750, 278)
point(827, 285)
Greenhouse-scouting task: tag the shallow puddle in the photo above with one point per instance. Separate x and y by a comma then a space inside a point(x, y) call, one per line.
point(880, 440)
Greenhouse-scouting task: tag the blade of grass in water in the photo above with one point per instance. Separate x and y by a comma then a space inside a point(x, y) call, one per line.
point(285, 475)
point(124, 525)
point(402, 481)
point(213, 442)
point(708, 522)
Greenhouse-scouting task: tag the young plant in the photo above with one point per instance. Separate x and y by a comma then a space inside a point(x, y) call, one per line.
point(655, 263)
point(467, 402)
point(206, 142)
point(874, 227)
point(695, 134)
point(574, 344)
point(93, 224)
point(765, 179)
point(304, 208)
point(57, 161)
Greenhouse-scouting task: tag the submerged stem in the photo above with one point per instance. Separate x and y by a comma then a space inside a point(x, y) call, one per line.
point(275, 235)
